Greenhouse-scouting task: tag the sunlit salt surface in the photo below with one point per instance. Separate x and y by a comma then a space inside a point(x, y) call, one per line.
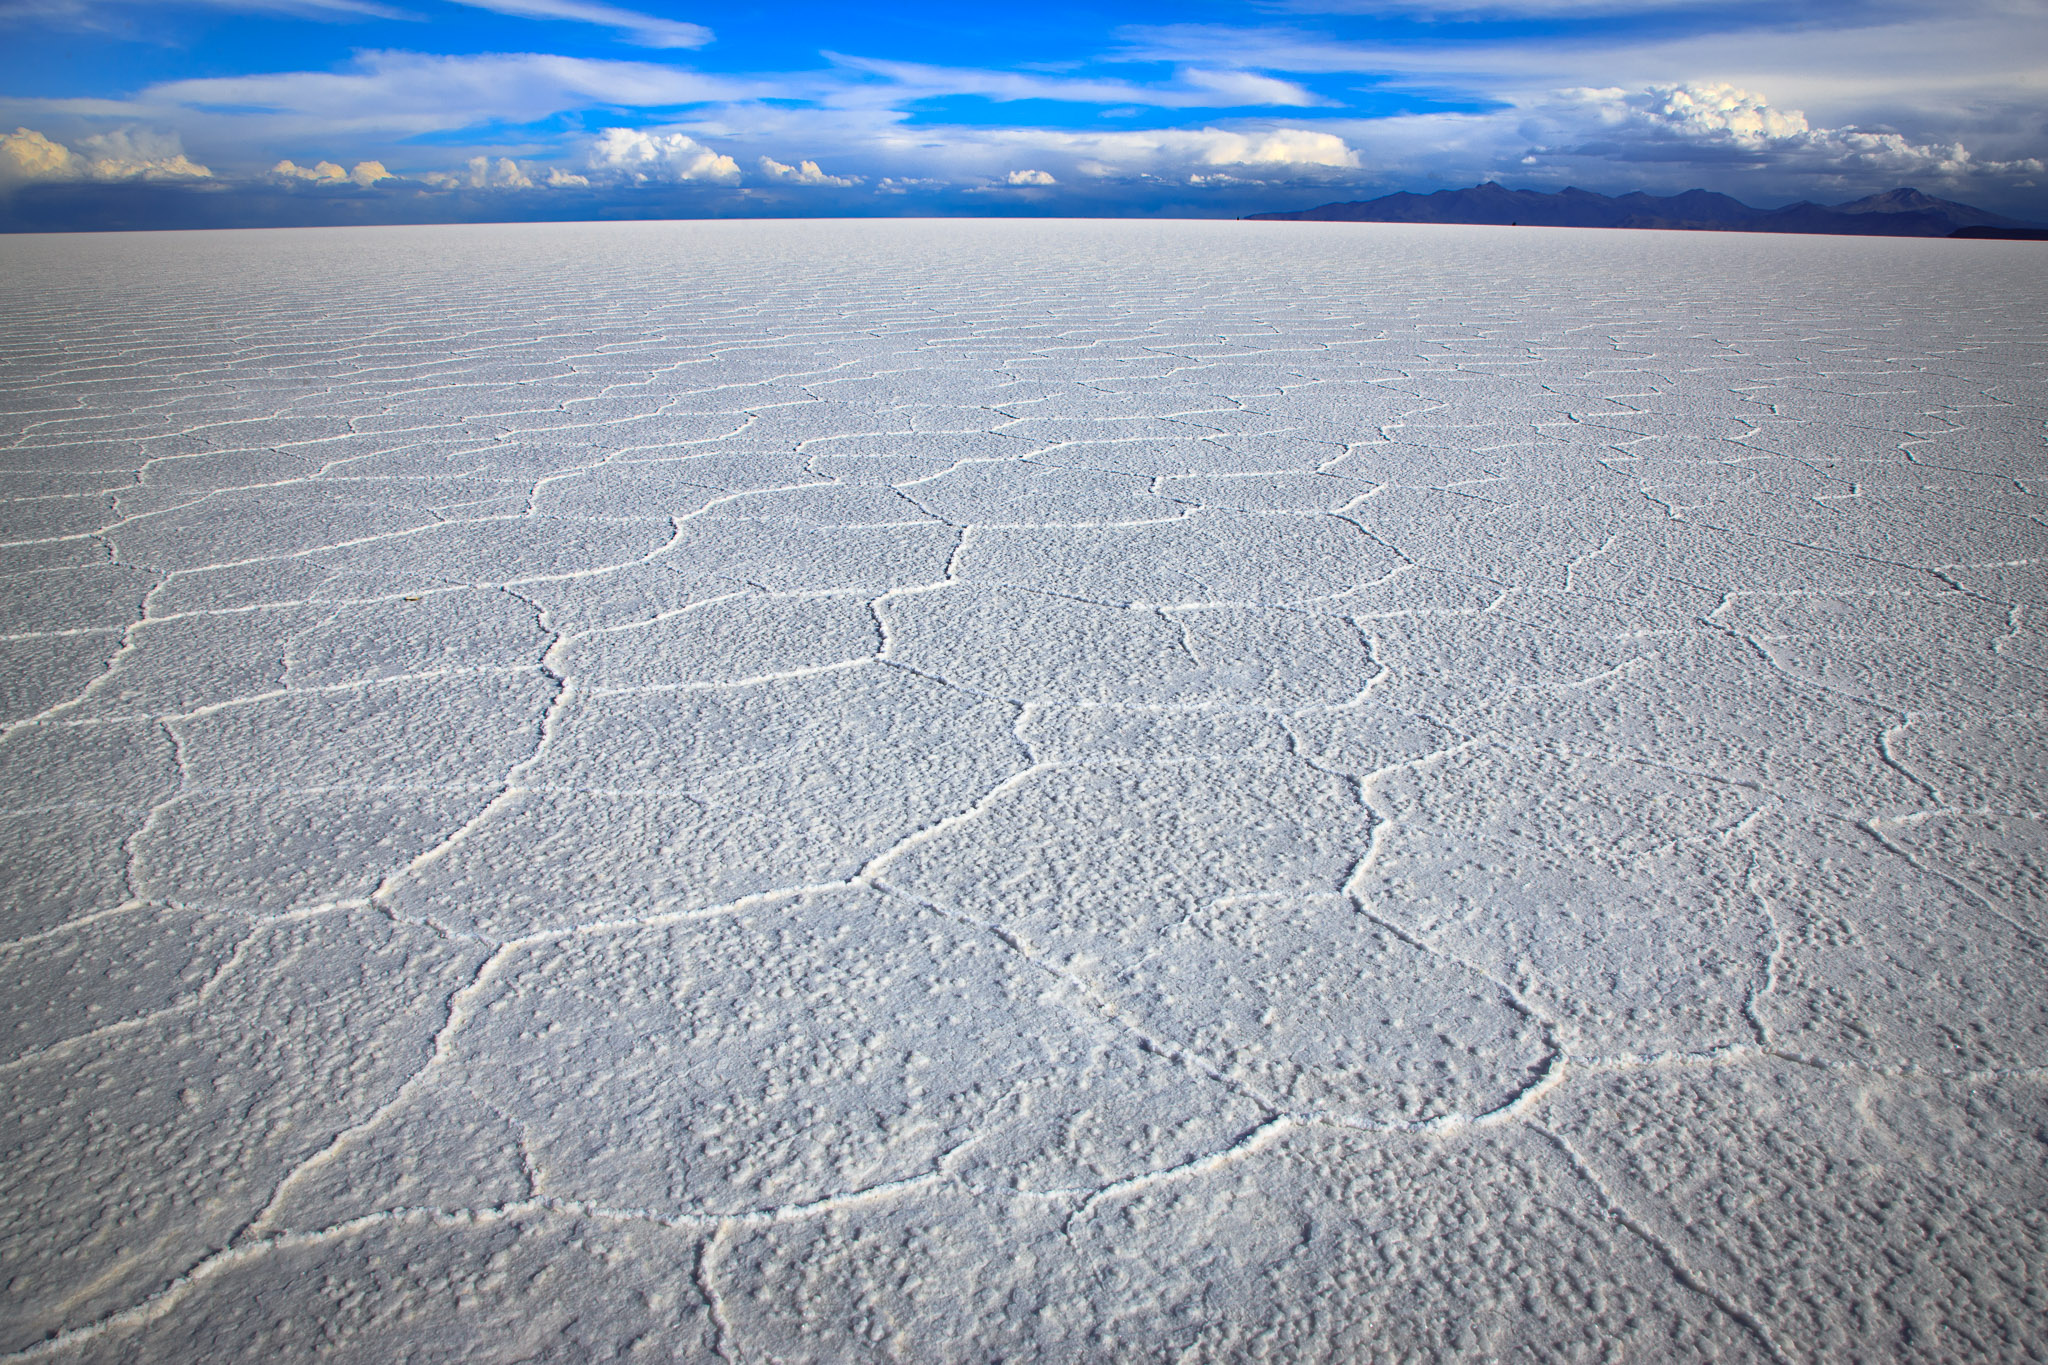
point(972, 791)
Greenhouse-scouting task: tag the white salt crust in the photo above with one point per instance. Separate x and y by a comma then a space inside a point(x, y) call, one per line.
point(1022, 790)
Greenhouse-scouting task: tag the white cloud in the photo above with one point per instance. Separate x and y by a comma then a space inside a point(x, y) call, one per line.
point(1701, 113)
point(484, 173)
point(406, 93)
point(124, 154)
point(136, 154)
point(1601, 104)
point(321, 172)
point(1713, 122)
point(1950, 62)
point(992, 156)
point(26, 154)
point(1248, 88)
point(504, 173)
point(641, 157)
point(92, 15)
point(803, 173)
point(1466, 9)
point(1670, 137)
point(1277, 49)
point(645, 29)
point(366, 173)
point(1192, 87)
point(1274, 148)
point(895, 153)
point(1277, 147)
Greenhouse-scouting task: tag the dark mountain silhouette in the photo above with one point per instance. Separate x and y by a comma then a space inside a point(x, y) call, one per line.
point(1895, 213)
point(1999, 234)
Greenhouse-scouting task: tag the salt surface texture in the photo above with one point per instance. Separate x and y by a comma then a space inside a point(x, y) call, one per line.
point(965, 791)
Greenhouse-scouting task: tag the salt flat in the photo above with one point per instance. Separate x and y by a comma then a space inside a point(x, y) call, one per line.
point(1004, 791)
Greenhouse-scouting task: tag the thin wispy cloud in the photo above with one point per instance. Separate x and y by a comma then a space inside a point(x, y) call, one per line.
point(1946, 46)
point(645, 29)
point(411, 93)
point(1465, 9)
point(102, 15)
point(1192, 87)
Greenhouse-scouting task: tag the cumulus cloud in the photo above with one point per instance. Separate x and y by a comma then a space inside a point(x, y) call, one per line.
point(483, 173)
point(643, 157)
point(320, 172)
point(1698, 113)
point(926, 155)
point(26, 154)
point(498, 173)
point(366, 173)
point(1965, 69)
point(803, 173)
point(126, 154)
point(134, 154)
point(1179, 149)
point(1277, 147)
point(1708, 122)
point(503, 173)
point(984, 159)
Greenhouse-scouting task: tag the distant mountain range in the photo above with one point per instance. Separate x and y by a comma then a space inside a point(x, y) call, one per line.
point(1895, 213)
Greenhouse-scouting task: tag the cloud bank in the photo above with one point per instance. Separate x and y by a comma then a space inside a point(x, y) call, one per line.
point(124, 154)
point(1711, 123)
point(1335, 98)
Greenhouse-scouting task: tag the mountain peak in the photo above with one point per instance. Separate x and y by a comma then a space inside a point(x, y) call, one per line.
point(1904, 199)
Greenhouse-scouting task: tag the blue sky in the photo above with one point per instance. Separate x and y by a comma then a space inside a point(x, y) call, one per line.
point(137, 111)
